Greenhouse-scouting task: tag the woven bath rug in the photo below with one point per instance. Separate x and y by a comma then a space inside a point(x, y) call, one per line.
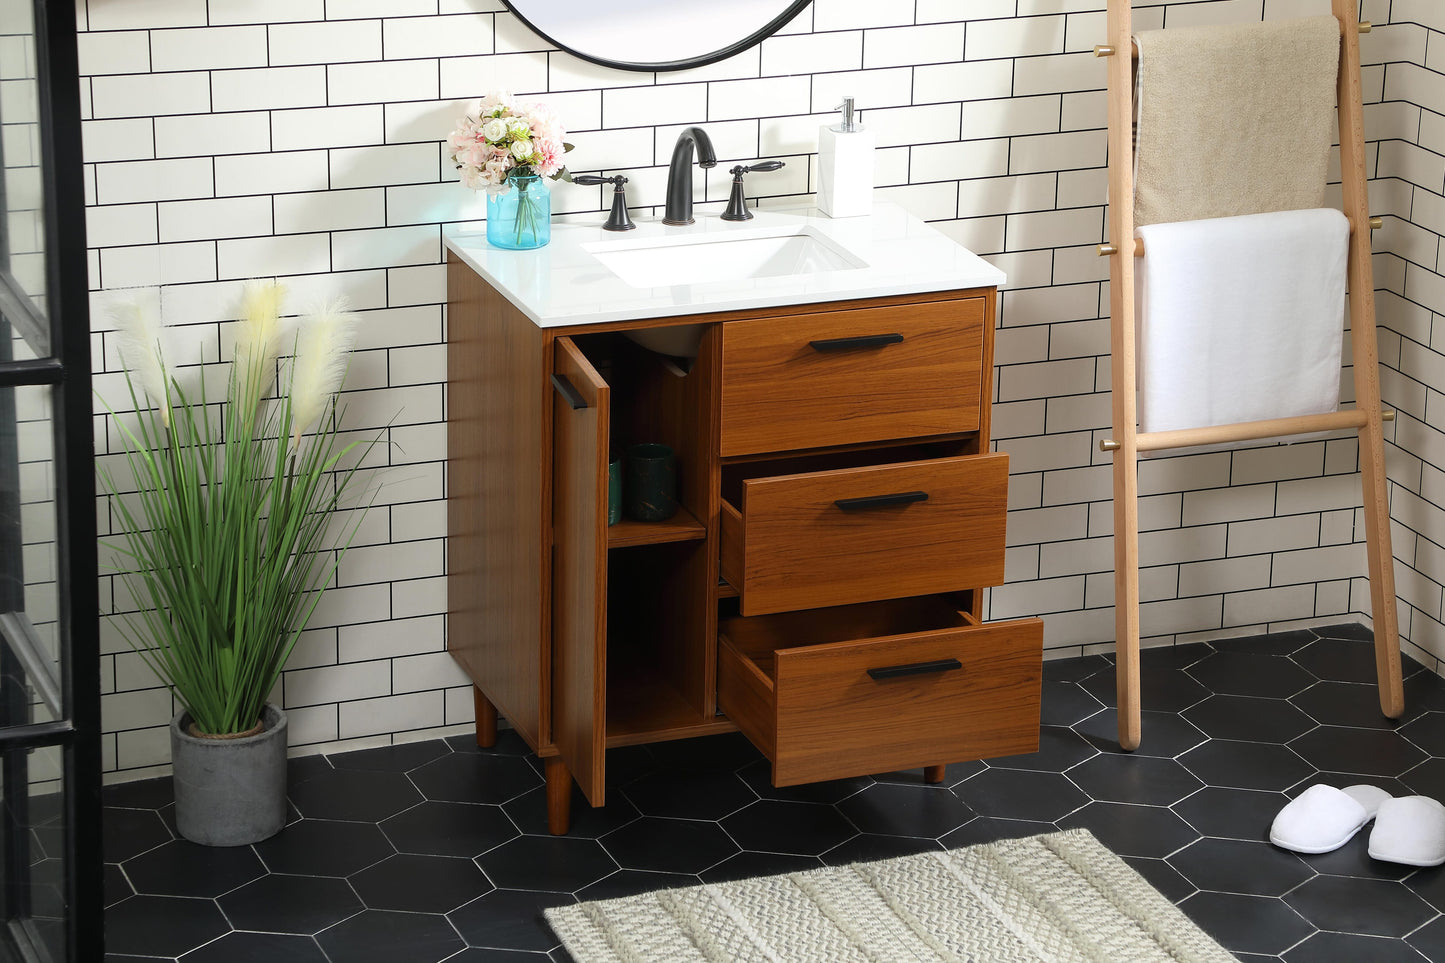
point(1057, 897)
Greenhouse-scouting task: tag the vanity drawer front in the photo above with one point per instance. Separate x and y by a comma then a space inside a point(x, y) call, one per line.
point(849, 377)
point(878, 703)
point(860, 534)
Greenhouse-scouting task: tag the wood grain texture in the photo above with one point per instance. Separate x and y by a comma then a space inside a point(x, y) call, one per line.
point(780, 394)
point(579, 571)
point(1365, 347)
point(800, 551)
point(559, 796)
point(498, 483)
point(1123, 372)
point(486, 717)
point(831, 720)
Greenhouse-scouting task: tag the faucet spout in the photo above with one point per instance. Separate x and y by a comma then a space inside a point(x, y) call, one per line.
point(679, 173)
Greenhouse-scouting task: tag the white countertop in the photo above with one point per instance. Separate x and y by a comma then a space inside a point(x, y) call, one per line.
point(564, 284)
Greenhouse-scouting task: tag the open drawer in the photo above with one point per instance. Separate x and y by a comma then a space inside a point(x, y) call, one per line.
point(861, 534)
point(861, 689)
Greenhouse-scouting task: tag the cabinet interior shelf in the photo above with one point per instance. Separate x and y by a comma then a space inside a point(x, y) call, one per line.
point(682, 527)
point(642, 706)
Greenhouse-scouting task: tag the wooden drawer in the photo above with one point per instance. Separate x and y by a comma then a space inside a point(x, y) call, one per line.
point(862, 534)
point(847, 377)
point(861, 689)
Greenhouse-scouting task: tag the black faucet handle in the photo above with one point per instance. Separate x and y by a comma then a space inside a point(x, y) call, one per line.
point(589, 179)
point(617, 219)
point(737, 203)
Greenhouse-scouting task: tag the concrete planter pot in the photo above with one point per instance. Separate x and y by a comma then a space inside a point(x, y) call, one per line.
point(230, 792)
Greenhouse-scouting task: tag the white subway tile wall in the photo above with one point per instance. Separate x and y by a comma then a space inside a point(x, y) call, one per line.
point(302, 140)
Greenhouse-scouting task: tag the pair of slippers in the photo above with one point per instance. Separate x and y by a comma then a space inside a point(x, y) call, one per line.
point(1408, 829)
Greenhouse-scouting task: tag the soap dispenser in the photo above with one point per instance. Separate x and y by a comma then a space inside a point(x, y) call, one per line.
point(845, 166)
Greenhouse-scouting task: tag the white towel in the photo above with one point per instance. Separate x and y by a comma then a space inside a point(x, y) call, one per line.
point(1240, 318)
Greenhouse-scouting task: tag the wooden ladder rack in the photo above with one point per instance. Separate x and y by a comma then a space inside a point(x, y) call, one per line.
point(1367, 418)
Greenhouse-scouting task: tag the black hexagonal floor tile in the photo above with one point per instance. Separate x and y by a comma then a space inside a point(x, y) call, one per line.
point(1427, 779)
point(162, 925)
point(1065, 703)
point(1060, 748)
point(1249, 718)
point(1339, 660)
point(449, 829)
point(690, 794)
point(1251, 674)
point(378, 936)
point(748, 864)
point(953, 774)
point(1075, 669)
point(509, 919)
point(1347, 948)
point(759, 778)
point(130, 832)
point(1369, 752)
point(558, 863)
point(183, 868)
point(867, 848)
point(508, 744)
point(1240, 866)
point(1160, 690)
point(420, 884)
point(797, 828)
point(1367, 907)
point(324, 847)
point(355, 795)
point(1429, 885)
point(1134, 779)
point(1247, 924)
point(1428, 732)
point(1174, 656)
point(894, 810)
point(1165, 734)
point(1231, 813)
point(730, 751)
point(140, 794)
point(1346, 704)
point(237, 947)
point(1130, 830)
point(1161, 876)
point(1246, 765)
point(1021, 794)
point(1430, 939)
point(304, 905)
point(480, 778)
point(400, 758)
point(630, 882)
point(529, 812)
point(117, 887)
point(1276, 643)
point(657, 844)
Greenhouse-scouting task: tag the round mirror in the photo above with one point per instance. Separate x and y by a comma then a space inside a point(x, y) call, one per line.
point(654, 34)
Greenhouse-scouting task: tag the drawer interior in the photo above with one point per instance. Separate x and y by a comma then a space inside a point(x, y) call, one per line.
point(735, 473)
point(757, 638)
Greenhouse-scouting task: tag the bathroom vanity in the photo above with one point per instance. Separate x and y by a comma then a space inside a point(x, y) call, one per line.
point(826, 386)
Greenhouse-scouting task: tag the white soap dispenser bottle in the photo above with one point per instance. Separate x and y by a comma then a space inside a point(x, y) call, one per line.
point(845, 166)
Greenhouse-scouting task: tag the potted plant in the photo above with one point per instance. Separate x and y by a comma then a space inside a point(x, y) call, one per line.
point(228, 542)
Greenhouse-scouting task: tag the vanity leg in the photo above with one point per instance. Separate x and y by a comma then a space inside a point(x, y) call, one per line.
point(559, 797)
point(486, 719)
point(934, 773)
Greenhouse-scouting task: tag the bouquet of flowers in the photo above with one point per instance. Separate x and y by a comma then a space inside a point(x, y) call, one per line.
point(506, 141)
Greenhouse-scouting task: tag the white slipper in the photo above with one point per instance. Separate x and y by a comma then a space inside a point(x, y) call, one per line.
point(1409, 830)
point(1323, 818)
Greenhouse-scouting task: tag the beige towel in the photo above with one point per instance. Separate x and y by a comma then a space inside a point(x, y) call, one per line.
point(1234, 120)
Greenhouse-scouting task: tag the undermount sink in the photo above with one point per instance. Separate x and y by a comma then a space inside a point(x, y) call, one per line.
point(700, 259)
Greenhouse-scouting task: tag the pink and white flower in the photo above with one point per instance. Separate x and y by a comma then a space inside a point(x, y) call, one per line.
point(506, 139)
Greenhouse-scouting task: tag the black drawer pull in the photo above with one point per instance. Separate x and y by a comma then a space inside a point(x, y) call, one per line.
point(862, 341)
point(915, 668)
point(566, 389)
point(880, 501)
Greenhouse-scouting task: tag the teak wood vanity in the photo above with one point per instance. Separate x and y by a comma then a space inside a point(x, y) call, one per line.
point(820, 588)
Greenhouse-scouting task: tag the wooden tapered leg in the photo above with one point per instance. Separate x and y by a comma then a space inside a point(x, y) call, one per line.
point(486, 719)
point(934, 773)
point(559, 797)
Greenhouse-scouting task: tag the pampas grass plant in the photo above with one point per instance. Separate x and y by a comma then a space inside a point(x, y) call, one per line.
point(226, 544)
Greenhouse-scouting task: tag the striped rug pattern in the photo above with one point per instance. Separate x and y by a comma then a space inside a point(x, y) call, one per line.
point(1057, 897)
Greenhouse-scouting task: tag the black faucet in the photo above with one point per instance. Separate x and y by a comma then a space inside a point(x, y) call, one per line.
point(679, 173)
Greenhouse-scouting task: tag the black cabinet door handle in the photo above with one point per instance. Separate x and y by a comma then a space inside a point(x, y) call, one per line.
point(915, 668)
point(862, 341)
point(568, 391)
point(880, 501)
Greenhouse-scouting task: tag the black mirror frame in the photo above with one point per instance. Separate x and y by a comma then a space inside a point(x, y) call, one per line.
point(772, 27)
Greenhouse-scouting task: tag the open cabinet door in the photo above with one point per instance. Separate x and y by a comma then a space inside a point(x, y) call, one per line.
point(581, 406)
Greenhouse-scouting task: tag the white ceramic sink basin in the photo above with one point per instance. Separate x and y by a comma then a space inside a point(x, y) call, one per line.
point(700, 259)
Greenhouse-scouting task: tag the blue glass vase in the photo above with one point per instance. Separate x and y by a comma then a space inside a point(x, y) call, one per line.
point(521, 218)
